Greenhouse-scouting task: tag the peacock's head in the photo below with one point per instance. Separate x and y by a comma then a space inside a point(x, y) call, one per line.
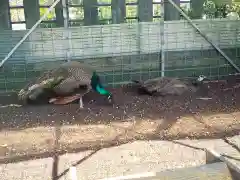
point(110, 98)
point(201, 78)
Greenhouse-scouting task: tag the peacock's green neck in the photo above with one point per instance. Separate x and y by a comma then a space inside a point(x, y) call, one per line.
point(97, 85)
point(102, 90)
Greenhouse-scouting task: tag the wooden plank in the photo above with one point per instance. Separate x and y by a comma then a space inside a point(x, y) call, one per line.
point(215, 171)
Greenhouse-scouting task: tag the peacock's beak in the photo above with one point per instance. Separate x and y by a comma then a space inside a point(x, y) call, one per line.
point(110, 99)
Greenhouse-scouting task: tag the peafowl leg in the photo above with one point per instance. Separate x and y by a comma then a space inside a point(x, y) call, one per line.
point(81, 103)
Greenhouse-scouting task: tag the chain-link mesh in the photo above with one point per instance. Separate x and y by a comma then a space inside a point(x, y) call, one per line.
point(36, 54)
point(115, 38)
point(189, 54)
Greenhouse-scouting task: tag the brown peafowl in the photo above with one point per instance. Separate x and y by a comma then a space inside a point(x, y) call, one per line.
point(163, 86)
point(64, 84)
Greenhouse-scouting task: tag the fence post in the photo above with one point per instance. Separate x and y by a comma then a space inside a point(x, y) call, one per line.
point(31, 11)
point(162, 60)
point(145, 10)
point(5, 20)
point(197, 8)
point(90, 12)
point(59, 14)
point(170, 12)
point(67, 33)
point(118, 11)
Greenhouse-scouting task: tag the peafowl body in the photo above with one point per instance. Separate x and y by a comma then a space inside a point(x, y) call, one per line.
point(162, 86)
point(64, 84)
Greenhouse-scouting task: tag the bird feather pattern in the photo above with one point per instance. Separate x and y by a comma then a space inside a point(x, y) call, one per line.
point(67, 79)
point(164, 86)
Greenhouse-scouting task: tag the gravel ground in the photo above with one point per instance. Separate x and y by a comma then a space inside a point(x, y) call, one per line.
point(127, 103)
point(32, 129)
point(125, 159)
point(136, 157)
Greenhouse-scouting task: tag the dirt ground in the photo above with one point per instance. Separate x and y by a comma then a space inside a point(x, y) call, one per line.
point(38, 131)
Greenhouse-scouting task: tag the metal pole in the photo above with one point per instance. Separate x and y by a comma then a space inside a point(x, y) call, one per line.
point(162, 40)
point(65, 13)
point(66, 25)
point(28, 33)
point(204, 36)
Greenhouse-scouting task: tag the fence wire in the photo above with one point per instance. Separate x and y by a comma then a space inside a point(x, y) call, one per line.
point(120, 47)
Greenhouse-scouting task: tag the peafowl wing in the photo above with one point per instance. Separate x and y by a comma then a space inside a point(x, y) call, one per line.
point(64, 82)
point(173, 86)
point(157, 84)
point(164, 86)
point(152, 86)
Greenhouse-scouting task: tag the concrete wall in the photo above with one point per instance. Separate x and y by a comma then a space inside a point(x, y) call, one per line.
point(121, 51)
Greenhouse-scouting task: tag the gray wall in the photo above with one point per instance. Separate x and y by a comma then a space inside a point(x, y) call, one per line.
point(121, 51)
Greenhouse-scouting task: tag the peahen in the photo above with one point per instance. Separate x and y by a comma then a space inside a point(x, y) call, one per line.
point(163, 86)
point(64, 84)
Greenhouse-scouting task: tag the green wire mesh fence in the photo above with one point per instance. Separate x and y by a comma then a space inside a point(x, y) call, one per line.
point(123, 40)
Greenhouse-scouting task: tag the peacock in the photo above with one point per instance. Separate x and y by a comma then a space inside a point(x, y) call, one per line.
point(162, 86)
point(64, 84)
